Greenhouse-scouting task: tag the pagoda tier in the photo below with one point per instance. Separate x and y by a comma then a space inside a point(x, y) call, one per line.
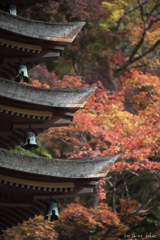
point(31, 41)
point(22, 106)
point(28, 182)
point(20, 4)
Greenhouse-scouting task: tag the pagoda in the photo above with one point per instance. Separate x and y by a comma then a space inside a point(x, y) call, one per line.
point(28, 183)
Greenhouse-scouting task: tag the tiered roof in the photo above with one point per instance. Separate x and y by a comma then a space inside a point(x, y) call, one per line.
point(28, 182)
point(22, 106)
point(31, 41)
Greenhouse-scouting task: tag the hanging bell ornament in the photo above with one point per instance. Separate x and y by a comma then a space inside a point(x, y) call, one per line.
point(11, 8)
point(52, 210)
point(22, 74)
point(30, 141)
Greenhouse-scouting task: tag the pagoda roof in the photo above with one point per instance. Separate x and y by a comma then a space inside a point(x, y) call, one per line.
point(31, 41)
point(22, 106)
point(96, 167)
point(28, 182)
point(56, 32)
point(57, 97)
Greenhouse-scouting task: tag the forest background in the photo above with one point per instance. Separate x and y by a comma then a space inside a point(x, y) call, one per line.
point(118, 51)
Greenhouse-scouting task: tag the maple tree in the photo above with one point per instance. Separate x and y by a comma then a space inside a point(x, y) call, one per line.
point(127, 26)
point(33, 229)
point(119, 46)
point(117, 123)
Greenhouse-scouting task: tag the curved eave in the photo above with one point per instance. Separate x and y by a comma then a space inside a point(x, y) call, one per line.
point(57, 32)
point(96, 167)
point(58, 97)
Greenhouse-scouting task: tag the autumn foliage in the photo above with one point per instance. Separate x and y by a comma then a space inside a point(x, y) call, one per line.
point(117, 51)
point(111, 123)
point(35, 229)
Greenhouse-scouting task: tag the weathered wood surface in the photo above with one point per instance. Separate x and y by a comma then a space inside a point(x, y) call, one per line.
point(28, 182)
point(58, 97)
point(61, 32)
point(31, 41)
point(22, 106)
point(96, 167)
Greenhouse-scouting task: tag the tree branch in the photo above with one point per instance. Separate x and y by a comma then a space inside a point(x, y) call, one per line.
point(138, 46)
point(68, 143)
point(124, 65)
point(152, 100)
point(84, 139)
point(111, 184)
point(127, 193)
point(145, 176)
point(156, 55)
point(142, 13)
point(153, 9)
point(136, 211)
point(151, 66)
point(149, 209)
point(113, 194)
point(151, 23)
point(132, 59)
point(89, 200)
point(107, 233)
point(77, 215)
point(133, 173)
point(129, 11)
